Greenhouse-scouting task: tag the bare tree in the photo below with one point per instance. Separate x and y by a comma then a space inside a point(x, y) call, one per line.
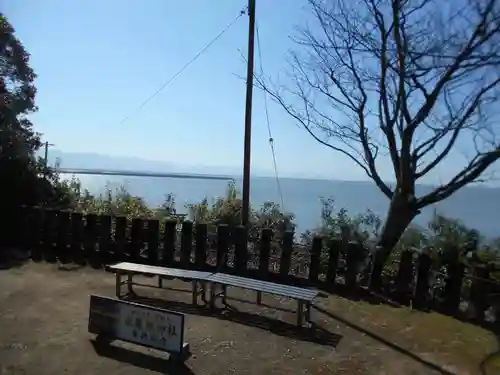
point(408, 81)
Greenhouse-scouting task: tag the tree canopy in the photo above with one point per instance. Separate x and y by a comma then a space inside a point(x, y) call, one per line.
point(25, 181)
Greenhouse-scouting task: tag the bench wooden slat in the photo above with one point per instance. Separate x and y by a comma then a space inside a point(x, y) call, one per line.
point(159, 271)
point(294, 292)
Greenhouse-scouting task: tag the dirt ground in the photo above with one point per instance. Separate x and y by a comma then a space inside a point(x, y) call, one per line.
point(43, 330)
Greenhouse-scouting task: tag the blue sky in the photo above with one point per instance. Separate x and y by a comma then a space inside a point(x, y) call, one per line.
point(97, 61)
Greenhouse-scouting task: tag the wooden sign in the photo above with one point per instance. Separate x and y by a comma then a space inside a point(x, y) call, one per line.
point(136, 323)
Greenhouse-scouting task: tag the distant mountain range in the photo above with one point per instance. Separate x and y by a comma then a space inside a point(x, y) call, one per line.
point(98, 161)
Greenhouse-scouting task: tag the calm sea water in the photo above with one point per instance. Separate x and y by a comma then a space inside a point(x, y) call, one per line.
point(478, 207)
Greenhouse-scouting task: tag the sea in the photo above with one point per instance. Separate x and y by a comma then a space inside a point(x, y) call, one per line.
point(476, 206)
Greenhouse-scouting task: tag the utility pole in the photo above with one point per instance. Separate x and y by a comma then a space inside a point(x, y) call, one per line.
point(46, 158)
point(248, 115)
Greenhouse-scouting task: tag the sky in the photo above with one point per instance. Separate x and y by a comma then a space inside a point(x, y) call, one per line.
point(98, 61)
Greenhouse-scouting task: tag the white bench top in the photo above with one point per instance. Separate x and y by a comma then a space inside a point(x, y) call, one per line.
point(302, 294)
point(127, 267)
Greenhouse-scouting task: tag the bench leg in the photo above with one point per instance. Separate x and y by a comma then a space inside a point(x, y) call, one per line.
point(160, 282)
point(203, 292)
point(224, 294)
point(259, 298)
point(129, 283)
point(212, 295)
point(300, 312)
point(308, 312)
point(194, 291)
point(118, 284)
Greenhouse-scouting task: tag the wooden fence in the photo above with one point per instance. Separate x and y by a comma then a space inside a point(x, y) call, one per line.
point(71, 237)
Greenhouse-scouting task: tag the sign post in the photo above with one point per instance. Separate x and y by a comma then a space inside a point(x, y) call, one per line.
point(152, 327)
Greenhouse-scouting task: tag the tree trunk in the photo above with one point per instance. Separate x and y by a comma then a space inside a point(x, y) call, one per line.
point(401, 213)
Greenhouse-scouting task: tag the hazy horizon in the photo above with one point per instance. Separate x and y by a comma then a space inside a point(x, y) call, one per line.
point(83, 160)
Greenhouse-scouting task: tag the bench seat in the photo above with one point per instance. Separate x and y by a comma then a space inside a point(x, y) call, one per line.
point(144, 269)
point(303, 296)
point(131, 269)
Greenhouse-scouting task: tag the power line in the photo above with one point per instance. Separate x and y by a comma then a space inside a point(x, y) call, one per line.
point(271, 140)
point(171, 79)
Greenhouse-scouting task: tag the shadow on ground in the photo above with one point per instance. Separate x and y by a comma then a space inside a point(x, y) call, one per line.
point(142, 360)
point(396, 347)
point(314, 334)
point(366, 295)
point(491, 364)
point(358, 294)
point(11, 258)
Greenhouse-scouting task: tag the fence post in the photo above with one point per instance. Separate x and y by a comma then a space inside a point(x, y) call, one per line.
point(76, 238)
point(495, 290)
point(222, 246)
point(136, 240)
point(186, 243)
point(62, 236)
point(265, 251)
point(421, 291)
point(119, 253)
point(479, 290)
point(375, 282)
point(26, 217)
point(403, 284)
point(354, 253)
point(104, 254)
point(333, 262)
point(153, 240)
point(49, 238)
point(35, 231)
point(240, 249)
point(169, 238)
point(314, 266)
point(286, 254)
point(453, 285)
point(90, 237)
point(201, 236)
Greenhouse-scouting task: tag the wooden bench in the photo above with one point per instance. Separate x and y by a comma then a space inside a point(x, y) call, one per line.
point(197, 278)
point(303, 296)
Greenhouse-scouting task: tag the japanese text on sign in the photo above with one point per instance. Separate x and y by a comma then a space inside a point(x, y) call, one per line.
point(157, 329)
